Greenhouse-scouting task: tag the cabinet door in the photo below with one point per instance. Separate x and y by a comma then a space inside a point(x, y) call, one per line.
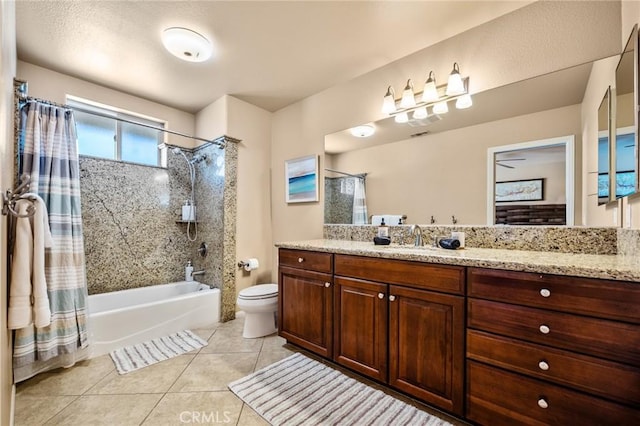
point(305, 309)
point(360, 326)
point(426, 346)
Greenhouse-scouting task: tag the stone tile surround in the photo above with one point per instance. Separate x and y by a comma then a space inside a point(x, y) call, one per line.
point(583, 240)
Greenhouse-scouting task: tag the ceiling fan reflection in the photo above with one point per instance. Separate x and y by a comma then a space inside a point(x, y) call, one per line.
point(499, 162)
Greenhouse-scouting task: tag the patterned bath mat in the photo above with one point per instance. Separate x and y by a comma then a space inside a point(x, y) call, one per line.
point(302, 391)
point(134, 357)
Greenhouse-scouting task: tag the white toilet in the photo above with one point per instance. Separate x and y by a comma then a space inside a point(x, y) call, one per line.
point(259, 303)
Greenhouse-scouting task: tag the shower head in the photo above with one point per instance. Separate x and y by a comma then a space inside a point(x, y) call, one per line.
point(176, 150)
point(198, 158)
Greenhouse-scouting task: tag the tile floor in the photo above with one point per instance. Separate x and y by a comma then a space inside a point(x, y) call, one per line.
point(188, 389)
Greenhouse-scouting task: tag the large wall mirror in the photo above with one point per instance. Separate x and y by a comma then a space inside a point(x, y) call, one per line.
point(624, 150)
point(437, 173)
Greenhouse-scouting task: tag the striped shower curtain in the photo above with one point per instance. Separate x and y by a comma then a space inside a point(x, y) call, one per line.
point(359, 216)
point(48, 154)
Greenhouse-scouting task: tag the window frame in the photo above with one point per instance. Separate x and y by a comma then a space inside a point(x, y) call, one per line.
point(121, 116)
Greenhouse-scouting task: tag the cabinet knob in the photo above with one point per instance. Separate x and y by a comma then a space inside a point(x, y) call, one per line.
point(380, 295)
point(542, 403)
point(327, 285)
point(543, 365)
point(300, 260)
point(392, 298)
point(545, 292)
point(544, 329)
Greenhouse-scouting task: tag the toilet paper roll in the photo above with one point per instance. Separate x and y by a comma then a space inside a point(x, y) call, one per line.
point(251, 264)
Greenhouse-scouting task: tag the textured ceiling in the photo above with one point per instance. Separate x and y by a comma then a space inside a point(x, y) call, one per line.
point(270, 54)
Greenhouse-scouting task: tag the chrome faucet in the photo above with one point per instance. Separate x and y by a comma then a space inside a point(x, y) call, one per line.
point(200, 272)
point(416, 232)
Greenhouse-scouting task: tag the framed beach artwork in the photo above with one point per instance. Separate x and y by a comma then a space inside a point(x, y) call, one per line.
point(301, 179)
point(520, 190)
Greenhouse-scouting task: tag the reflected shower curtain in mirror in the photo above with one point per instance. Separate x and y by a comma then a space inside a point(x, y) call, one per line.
point(359, 203)
point(49, 155)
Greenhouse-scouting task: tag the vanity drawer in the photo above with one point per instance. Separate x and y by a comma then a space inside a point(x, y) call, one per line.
point(309, 260)
point(612, 340)
point(449, 279)
point(496, 397)
point(598, 298)
point(603, 378)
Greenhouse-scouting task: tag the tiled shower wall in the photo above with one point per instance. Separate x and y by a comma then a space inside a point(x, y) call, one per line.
point(130, 214)
point(338, 206)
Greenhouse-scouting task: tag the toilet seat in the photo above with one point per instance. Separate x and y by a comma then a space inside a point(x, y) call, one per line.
point(259, 292)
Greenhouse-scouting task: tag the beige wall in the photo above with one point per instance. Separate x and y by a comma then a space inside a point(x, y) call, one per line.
point(252, 125)
point(53, 86)
point(536, 39)
point(7, 72)
point(445, 174)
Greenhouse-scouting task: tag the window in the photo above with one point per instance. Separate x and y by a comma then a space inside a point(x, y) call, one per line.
point(102, 133)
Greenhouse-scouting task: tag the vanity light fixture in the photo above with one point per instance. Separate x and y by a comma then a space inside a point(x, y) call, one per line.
point(363, 131)
point(402, 117)
point(457, 88)
point(186, 44)
point(408, 98)
point(389, 102)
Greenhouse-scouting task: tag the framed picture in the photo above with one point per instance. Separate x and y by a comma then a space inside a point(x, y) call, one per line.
point(520, 190)
point(301, 179)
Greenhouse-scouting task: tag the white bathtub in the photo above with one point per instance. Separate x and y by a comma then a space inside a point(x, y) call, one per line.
point(128, 317)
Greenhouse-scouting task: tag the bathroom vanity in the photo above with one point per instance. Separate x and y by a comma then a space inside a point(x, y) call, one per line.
point(468, 332)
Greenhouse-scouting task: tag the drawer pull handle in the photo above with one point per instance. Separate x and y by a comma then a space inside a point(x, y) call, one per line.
point(380, 295)
point(327, 285)
point(542, 403)
point(392, 298)
point(543, 365)
point(300, 260)
point(545, 292)
point(544, 329)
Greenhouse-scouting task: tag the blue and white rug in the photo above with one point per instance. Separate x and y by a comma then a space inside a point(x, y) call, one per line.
point(134, 357)
point(301, 391)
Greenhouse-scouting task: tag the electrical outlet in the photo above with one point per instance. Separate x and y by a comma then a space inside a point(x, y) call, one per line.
point(615, 216)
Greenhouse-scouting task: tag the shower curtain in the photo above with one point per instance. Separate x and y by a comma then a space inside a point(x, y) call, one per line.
point(48, 154)
point(359, 203)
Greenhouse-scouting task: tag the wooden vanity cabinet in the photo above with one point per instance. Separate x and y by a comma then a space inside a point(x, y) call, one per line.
point(402, 323)
point(547, 349)
point(305, 308)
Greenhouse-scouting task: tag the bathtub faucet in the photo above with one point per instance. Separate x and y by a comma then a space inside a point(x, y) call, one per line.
point(200, 272)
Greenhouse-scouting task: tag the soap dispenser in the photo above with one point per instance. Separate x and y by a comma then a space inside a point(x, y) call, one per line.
point(188, 272)
point(383, 230)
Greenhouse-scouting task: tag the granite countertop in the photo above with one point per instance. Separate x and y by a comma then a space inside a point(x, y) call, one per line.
point(613, 267)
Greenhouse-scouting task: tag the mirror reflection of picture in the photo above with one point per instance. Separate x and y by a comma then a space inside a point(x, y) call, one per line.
point(301, 179)
point(520, 190)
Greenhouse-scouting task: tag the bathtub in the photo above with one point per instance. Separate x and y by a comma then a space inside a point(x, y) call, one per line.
point(128, 317)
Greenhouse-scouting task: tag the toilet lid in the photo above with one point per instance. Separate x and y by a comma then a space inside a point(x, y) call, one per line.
point(261, 291)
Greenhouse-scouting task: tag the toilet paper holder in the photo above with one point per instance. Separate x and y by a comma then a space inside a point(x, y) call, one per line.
point(249, 264)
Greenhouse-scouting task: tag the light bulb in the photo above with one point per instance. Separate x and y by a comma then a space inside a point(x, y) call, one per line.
point(420, 113)
point(403, 117)
point(408, 99)
point(455, 86)
point(440, 108)
point(464, 101)
point(389, 102)
point(430, 91)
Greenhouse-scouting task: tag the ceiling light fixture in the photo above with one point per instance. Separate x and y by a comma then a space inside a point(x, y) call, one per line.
point(457, 88)
point(363, 131)
point(186, 44)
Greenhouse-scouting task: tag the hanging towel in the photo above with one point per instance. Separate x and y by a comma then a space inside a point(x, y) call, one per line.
point(28, 299)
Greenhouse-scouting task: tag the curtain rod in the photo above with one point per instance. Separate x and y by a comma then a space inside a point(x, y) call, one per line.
point(21, 92)
point(359, 176)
